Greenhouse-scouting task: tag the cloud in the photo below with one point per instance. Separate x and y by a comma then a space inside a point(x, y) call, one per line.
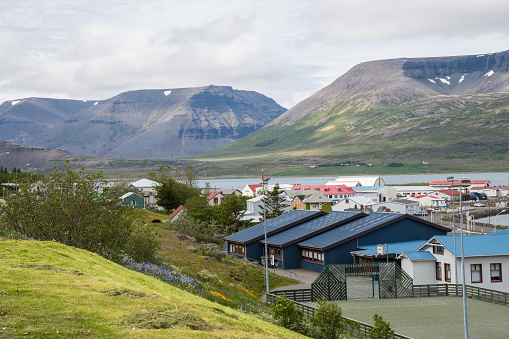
point(368, 20)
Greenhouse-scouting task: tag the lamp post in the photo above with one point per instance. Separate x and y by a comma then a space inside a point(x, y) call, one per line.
point(451, 179)
point(495, 222)
point(465, 320)
point(264, 182)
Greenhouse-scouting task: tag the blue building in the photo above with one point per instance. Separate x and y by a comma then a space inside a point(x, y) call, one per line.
point(312, 240)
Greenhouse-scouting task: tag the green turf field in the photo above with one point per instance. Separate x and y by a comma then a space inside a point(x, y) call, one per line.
point(435, 317)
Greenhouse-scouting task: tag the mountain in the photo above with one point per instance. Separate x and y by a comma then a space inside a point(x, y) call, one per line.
point(169, 123)
point(401, 109)
point(22, 120)
point(30, 158)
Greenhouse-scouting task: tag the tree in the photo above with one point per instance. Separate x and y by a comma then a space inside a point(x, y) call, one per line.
point(381, 329)
point(230, 213)
point(199, 209)
point(328, 320)
point(287, 315)
point(66, 206)
point(273, 203)
point(175, 188)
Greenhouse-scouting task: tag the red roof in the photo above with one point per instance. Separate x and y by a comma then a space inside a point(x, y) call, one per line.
point(326, 189)
point(450, 192)
point(254, 187)
point(211, 195)
point(457, 182)
point(177, 211)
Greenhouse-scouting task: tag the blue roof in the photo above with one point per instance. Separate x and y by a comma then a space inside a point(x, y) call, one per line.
point(311, 227)
point(477, 245)
point(395, 247)
point(273, 226)
point(350, 230)
point(419, 255)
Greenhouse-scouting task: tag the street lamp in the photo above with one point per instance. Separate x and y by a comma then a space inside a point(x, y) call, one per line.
point(451, 179)
point(264, 182)
point(495, 222)
point(465, 320)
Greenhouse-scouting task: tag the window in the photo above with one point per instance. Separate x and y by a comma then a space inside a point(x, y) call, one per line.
point(438, 249)
point(313, 256)
point(276, 252)
point(476, 273)
point(447, 271)
point(237, 249)
point(438, 271)
point(496, 272)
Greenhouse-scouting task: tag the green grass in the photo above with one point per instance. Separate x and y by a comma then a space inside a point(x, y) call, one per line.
point(436, 317)
point(48, 290)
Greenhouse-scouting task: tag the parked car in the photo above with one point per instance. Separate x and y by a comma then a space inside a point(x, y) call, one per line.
point(478, 204)
point(421, 213)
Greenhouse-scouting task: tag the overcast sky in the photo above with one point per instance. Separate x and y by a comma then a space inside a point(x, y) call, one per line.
point(284, 49)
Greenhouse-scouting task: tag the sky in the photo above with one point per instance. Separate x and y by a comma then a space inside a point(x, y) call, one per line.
point(284, 49)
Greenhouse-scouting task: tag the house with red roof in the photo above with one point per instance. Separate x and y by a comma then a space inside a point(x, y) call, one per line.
point(333, 192)
point(250, 190)
point(465, 186)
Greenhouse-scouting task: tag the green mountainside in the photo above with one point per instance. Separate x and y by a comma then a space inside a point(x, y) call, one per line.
point(452, 111)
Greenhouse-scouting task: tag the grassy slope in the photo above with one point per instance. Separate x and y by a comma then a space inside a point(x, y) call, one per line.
point(41, 295)
point(452, 132)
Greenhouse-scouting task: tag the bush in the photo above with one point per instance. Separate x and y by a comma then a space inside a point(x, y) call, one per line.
point(328, 320)
point(287, 315)
point(381, 329)
point(66, 206)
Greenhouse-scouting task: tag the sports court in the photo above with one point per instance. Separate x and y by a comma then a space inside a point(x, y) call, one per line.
point(434, 317)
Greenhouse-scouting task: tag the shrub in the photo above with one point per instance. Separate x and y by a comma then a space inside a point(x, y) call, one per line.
point(328, 320)
point(287, 315)
point(381, 329)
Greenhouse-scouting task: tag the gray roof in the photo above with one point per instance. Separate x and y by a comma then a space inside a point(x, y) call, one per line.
point(351, 230)
point(312, 227)
point(273, 226)
point(316, 197)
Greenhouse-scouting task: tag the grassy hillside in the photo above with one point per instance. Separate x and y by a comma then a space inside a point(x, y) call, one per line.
point(48, 290)
point(467, 133)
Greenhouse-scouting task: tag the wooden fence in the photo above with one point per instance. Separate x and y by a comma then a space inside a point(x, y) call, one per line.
point(479, 293)
point(353, 327)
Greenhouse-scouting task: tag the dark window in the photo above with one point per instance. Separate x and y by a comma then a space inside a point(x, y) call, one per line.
point(438, 271)
point(276, 252)
point(496, 272)
point(313, 256)
point(237, 249)
point(476, 273)
point(447, 271)
point(438, 249)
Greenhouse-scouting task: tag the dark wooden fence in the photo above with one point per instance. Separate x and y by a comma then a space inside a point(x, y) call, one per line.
point(479, 293)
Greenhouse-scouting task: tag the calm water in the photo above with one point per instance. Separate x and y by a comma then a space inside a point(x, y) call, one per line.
point(501, 220)
point(496, 179)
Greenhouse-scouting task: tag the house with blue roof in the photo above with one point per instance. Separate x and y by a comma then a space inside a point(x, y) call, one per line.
point(433, 261)
point(312, 239)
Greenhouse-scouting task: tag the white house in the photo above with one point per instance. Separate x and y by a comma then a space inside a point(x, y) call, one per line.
point(250, 190)
point(432, 261)
point(377, 193)
point(358, 181)
point(398, 206)
point(358, 202)
point(254, 207)
point(412, 191)
point(147, 188)
point(430, 201)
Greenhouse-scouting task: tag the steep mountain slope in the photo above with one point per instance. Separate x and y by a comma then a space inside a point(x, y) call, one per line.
point(162, 123)
point(22, 120)
point(425, 108)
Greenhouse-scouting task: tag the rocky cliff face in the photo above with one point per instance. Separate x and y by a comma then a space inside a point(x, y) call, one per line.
point(167, 123)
